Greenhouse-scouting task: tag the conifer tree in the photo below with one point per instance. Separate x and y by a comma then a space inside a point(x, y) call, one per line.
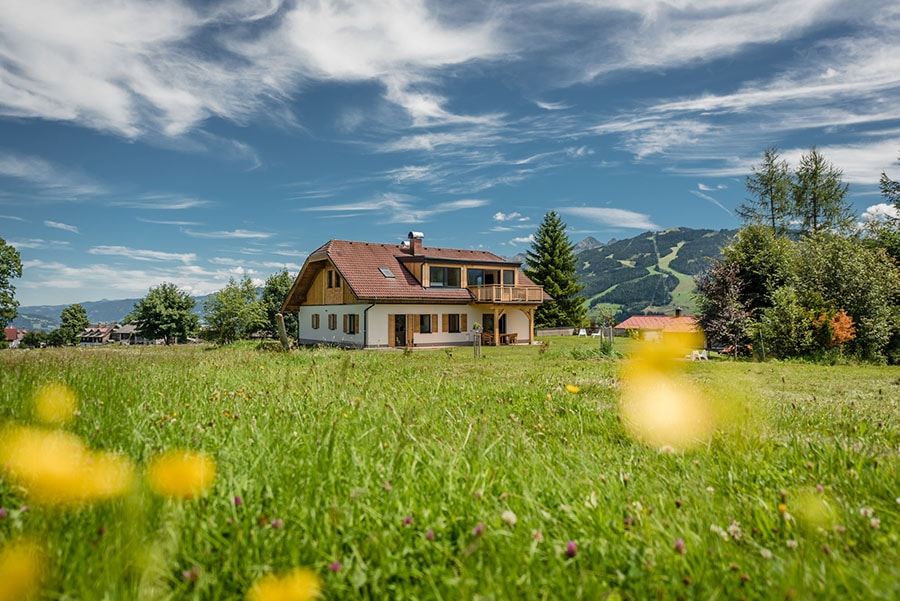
point(820, 195)
point(770, 189)
point(551, 263)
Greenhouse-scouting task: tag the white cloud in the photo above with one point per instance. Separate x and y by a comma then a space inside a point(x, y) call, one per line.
point(399, 208)
point(52, 180)
point(40, 244)
point(61, 226)
point(233, 234)
point(164, 66)
point(879, 212)
point(514, 216)
point(142, 254)
point(712, 200)
point(552, 106)
point(612, 217)
point(163, 202)
point(522, 240)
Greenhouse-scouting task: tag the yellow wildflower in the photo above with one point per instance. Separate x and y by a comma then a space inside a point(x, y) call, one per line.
point(659, 408)
point(21, 569)
point(56, 468)
point(181, 474)
point(55, 404)
point(572, 388)
point(299, 584)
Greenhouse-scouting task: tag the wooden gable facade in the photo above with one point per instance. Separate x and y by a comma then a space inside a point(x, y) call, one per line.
point(364, 295)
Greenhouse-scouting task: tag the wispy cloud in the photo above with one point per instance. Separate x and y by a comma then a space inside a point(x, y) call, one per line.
point(135, 68)
point(51, 181)
point(712, 200)
point(61, 226)
point(233, 234)
point(399, 208)
point(142, 254)
point(612, 217)
point(11, 218)
point(40, 244)
point(163, 202)
point(552, 106)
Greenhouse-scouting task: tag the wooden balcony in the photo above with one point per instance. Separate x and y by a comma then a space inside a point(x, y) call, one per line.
point(507, 294)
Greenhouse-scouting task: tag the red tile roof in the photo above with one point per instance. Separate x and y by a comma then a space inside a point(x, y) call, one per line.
point(359, 265)
point(666, 323)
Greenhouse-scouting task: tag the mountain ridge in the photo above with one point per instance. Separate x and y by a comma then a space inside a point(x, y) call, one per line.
point(648, 273)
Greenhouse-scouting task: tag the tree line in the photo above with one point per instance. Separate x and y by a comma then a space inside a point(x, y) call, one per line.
point(803, 278)
point(167, 313)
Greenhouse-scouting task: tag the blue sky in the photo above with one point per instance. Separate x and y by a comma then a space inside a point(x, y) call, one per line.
point(145, 141)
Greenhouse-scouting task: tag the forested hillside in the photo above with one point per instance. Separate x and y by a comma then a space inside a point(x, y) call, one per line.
point(652, 272)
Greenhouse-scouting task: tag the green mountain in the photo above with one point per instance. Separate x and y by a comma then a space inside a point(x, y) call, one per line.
point(649, 273)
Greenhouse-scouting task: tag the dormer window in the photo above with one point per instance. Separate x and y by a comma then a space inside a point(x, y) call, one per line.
point(445, 277)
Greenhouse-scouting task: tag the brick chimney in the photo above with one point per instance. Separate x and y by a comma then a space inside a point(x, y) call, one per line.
point(415, 243)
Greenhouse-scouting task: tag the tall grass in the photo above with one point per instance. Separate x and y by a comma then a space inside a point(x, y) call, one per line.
point(435, 475)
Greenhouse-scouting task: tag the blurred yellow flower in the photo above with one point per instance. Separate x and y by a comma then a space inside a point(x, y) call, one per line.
point(299, 584)
point(181, 474)
point(572, 388)
point(55, 404)
point(814, 510)
point(21, 570)
point(56, 468)
point(659, 408)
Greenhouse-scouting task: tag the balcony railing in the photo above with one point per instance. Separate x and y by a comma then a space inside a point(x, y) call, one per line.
point(507, 294)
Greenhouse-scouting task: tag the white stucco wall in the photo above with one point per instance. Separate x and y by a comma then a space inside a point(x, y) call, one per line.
point(324, 335)
point(373, 319)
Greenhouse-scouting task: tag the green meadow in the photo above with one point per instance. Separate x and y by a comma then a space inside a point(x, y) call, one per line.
point(435, 475)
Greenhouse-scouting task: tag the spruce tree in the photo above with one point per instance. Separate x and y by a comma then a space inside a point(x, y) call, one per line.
point(551, 263)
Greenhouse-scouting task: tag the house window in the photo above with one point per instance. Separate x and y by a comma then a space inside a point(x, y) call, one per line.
point(425, 324)
point(351, 323)
point(315, 321)
point(332, 321)
point(509, 277)
point(445, 277)
point(334, 279)
point(475, 277)
point(453, 322)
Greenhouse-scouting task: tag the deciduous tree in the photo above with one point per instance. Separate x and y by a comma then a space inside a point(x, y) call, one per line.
point(10, 267)
point(73, 321)
point(721, 311)
point(234, 312)
point(551, 263)
point(274, 292)
point(166, 312)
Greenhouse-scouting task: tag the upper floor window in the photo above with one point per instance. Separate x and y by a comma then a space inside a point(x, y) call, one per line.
point(334, 279)
point(509, 277)
point(445, 277)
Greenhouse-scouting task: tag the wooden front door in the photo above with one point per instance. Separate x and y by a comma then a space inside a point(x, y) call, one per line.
point(399, 330)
